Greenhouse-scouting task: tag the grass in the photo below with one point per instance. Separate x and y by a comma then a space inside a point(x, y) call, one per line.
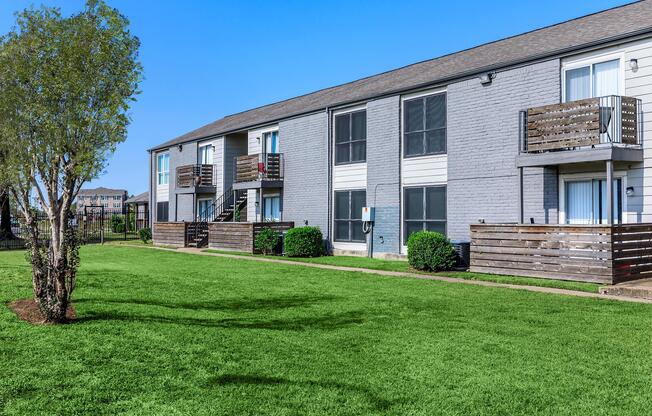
point(167, 333)
point(402, 266)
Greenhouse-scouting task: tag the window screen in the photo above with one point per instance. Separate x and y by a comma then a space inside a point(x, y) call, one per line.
point(425, 125)
point(351, 137)
point(348, 214)
point(424, 209)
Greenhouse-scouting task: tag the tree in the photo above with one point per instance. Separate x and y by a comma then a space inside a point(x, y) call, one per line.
point(66, 85)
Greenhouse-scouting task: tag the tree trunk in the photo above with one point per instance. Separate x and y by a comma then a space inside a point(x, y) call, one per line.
point(54, 269)
point(5, 217)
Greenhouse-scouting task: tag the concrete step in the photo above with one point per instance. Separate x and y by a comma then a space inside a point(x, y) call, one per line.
point(641, 289)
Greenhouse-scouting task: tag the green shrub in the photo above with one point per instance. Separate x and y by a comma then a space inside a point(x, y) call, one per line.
point(117, 223)
point(304, 242)
point(430, 251)
point(267, 240)
point(145, 234)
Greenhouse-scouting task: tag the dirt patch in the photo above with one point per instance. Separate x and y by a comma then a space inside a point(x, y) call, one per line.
point(27, 310)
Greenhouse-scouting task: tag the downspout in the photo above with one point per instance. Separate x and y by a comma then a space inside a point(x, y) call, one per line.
point(150, 214)
point(329, 226)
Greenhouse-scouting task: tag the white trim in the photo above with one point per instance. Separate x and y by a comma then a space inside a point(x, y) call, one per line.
point(197, 204)
point(345, 110)
point(567, 177)
point(418, 94)
point(588, 60)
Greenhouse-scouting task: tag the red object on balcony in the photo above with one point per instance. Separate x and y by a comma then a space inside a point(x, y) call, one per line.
point(261, 167)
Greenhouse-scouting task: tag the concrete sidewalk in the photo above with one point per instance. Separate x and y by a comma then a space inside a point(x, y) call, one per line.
point(549, 290)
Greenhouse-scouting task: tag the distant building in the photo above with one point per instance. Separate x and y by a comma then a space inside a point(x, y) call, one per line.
point(140, 208)
point(110, 199)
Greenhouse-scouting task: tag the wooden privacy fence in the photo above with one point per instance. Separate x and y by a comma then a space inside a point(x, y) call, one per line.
point(240, 236)
point(589, 253)
point(169, 233)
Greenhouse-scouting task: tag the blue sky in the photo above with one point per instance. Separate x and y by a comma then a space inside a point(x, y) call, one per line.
point(206, 59)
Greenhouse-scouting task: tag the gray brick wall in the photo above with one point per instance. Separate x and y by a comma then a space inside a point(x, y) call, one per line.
point(181, 207)
point(482, 146)
point(383, 161)
point(304, 143)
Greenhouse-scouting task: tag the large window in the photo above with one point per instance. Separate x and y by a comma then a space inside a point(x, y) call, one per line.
point(206, 154)
point(162, 210)
point(272, 208)
point(270, 142)
point(425, 125)
point(163, 168)
point(348, 215)
point(586, 201)
point(595, 80)
point(424, 209)
point(351, 137)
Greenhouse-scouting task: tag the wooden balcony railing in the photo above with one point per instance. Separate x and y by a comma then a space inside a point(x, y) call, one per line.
point(257, 167)
point(189, 176)
point(582, 123)
point(591, 253)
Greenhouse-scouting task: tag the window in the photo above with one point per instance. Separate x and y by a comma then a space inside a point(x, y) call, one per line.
point(351, 137)
point(205, 209)
point(270, 142)
point(348, 214)
point(206, 154)
point(117, 198)
point(425, 125)
point(162, 209)
point(595, 80)
point(272, 208)
point(586, 201)
point(163, 168)
point(424, 209)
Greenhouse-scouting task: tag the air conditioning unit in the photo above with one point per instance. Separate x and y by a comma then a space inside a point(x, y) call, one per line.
point(463, 252)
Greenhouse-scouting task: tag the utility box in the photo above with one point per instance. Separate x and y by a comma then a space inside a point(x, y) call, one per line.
point(368, 214)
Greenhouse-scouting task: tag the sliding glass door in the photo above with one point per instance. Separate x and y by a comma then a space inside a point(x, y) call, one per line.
point(586, 201)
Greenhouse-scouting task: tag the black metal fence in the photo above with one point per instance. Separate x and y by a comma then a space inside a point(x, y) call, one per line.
point(95, 225)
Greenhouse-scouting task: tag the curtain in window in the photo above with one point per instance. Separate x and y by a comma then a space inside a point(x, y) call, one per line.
point(605, 78)
point(578, 84)
point(272, 208)
point(579, 202)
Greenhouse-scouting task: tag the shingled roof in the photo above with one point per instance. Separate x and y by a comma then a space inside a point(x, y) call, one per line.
point(609, 25)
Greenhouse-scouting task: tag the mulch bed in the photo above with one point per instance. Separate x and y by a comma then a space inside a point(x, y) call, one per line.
point(27, 310)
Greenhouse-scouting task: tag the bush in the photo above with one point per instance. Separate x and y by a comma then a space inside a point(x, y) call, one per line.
point(117, 223)
point(145, 234)
point(304, 242)
point(267, 240)
point(430, 251)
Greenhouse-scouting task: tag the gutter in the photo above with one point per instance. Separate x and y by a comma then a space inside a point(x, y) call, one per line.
point(561, 53)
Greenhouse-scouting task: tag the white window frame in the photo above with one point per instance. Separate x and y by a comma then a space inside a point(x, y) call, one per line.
point(590, 60)
point(163, 173)
point(573, 177)
point(280, 206)
point(201, 200)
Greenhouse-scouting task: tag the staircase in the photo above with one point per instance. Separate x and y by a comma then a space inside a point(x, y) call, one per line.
point(222, 209)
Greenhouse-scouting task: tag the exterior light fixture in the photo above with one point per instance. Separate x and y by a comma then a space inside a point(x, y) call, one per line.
point(629, 191)
point(480, 220)
point(633, 64)
point(486, 78)
point(180, 147)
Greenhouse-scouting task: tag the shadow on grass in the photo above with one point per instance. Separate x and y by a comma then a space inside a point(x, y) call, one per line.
point(326, 322)
point(375, 400)
point(220, 305)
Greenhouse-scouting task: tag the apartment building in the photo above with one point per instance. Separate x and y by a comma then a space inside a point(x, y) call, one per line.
point(109, 199)
point(550, 127)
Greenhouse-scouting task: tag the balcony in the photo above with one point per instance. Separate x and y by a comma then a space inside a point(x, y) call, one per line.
point(196, 178)
point(262, 170)
point(594, 129)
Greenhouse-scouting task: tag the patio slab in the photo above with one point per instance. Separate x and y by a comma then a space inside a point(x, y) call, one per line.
point(641, 289)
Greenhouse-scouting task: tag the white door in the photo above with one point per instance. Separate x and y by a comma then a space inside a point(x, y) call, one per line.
point(271, 142)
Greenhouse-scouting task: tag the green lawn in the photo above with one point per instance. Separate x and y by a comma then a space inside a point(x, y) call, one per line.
point(168, 333)
point(402, 266)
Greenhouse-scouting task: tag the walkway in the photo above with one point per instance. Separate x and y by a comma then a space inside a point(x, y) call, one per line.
point(550, 290)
